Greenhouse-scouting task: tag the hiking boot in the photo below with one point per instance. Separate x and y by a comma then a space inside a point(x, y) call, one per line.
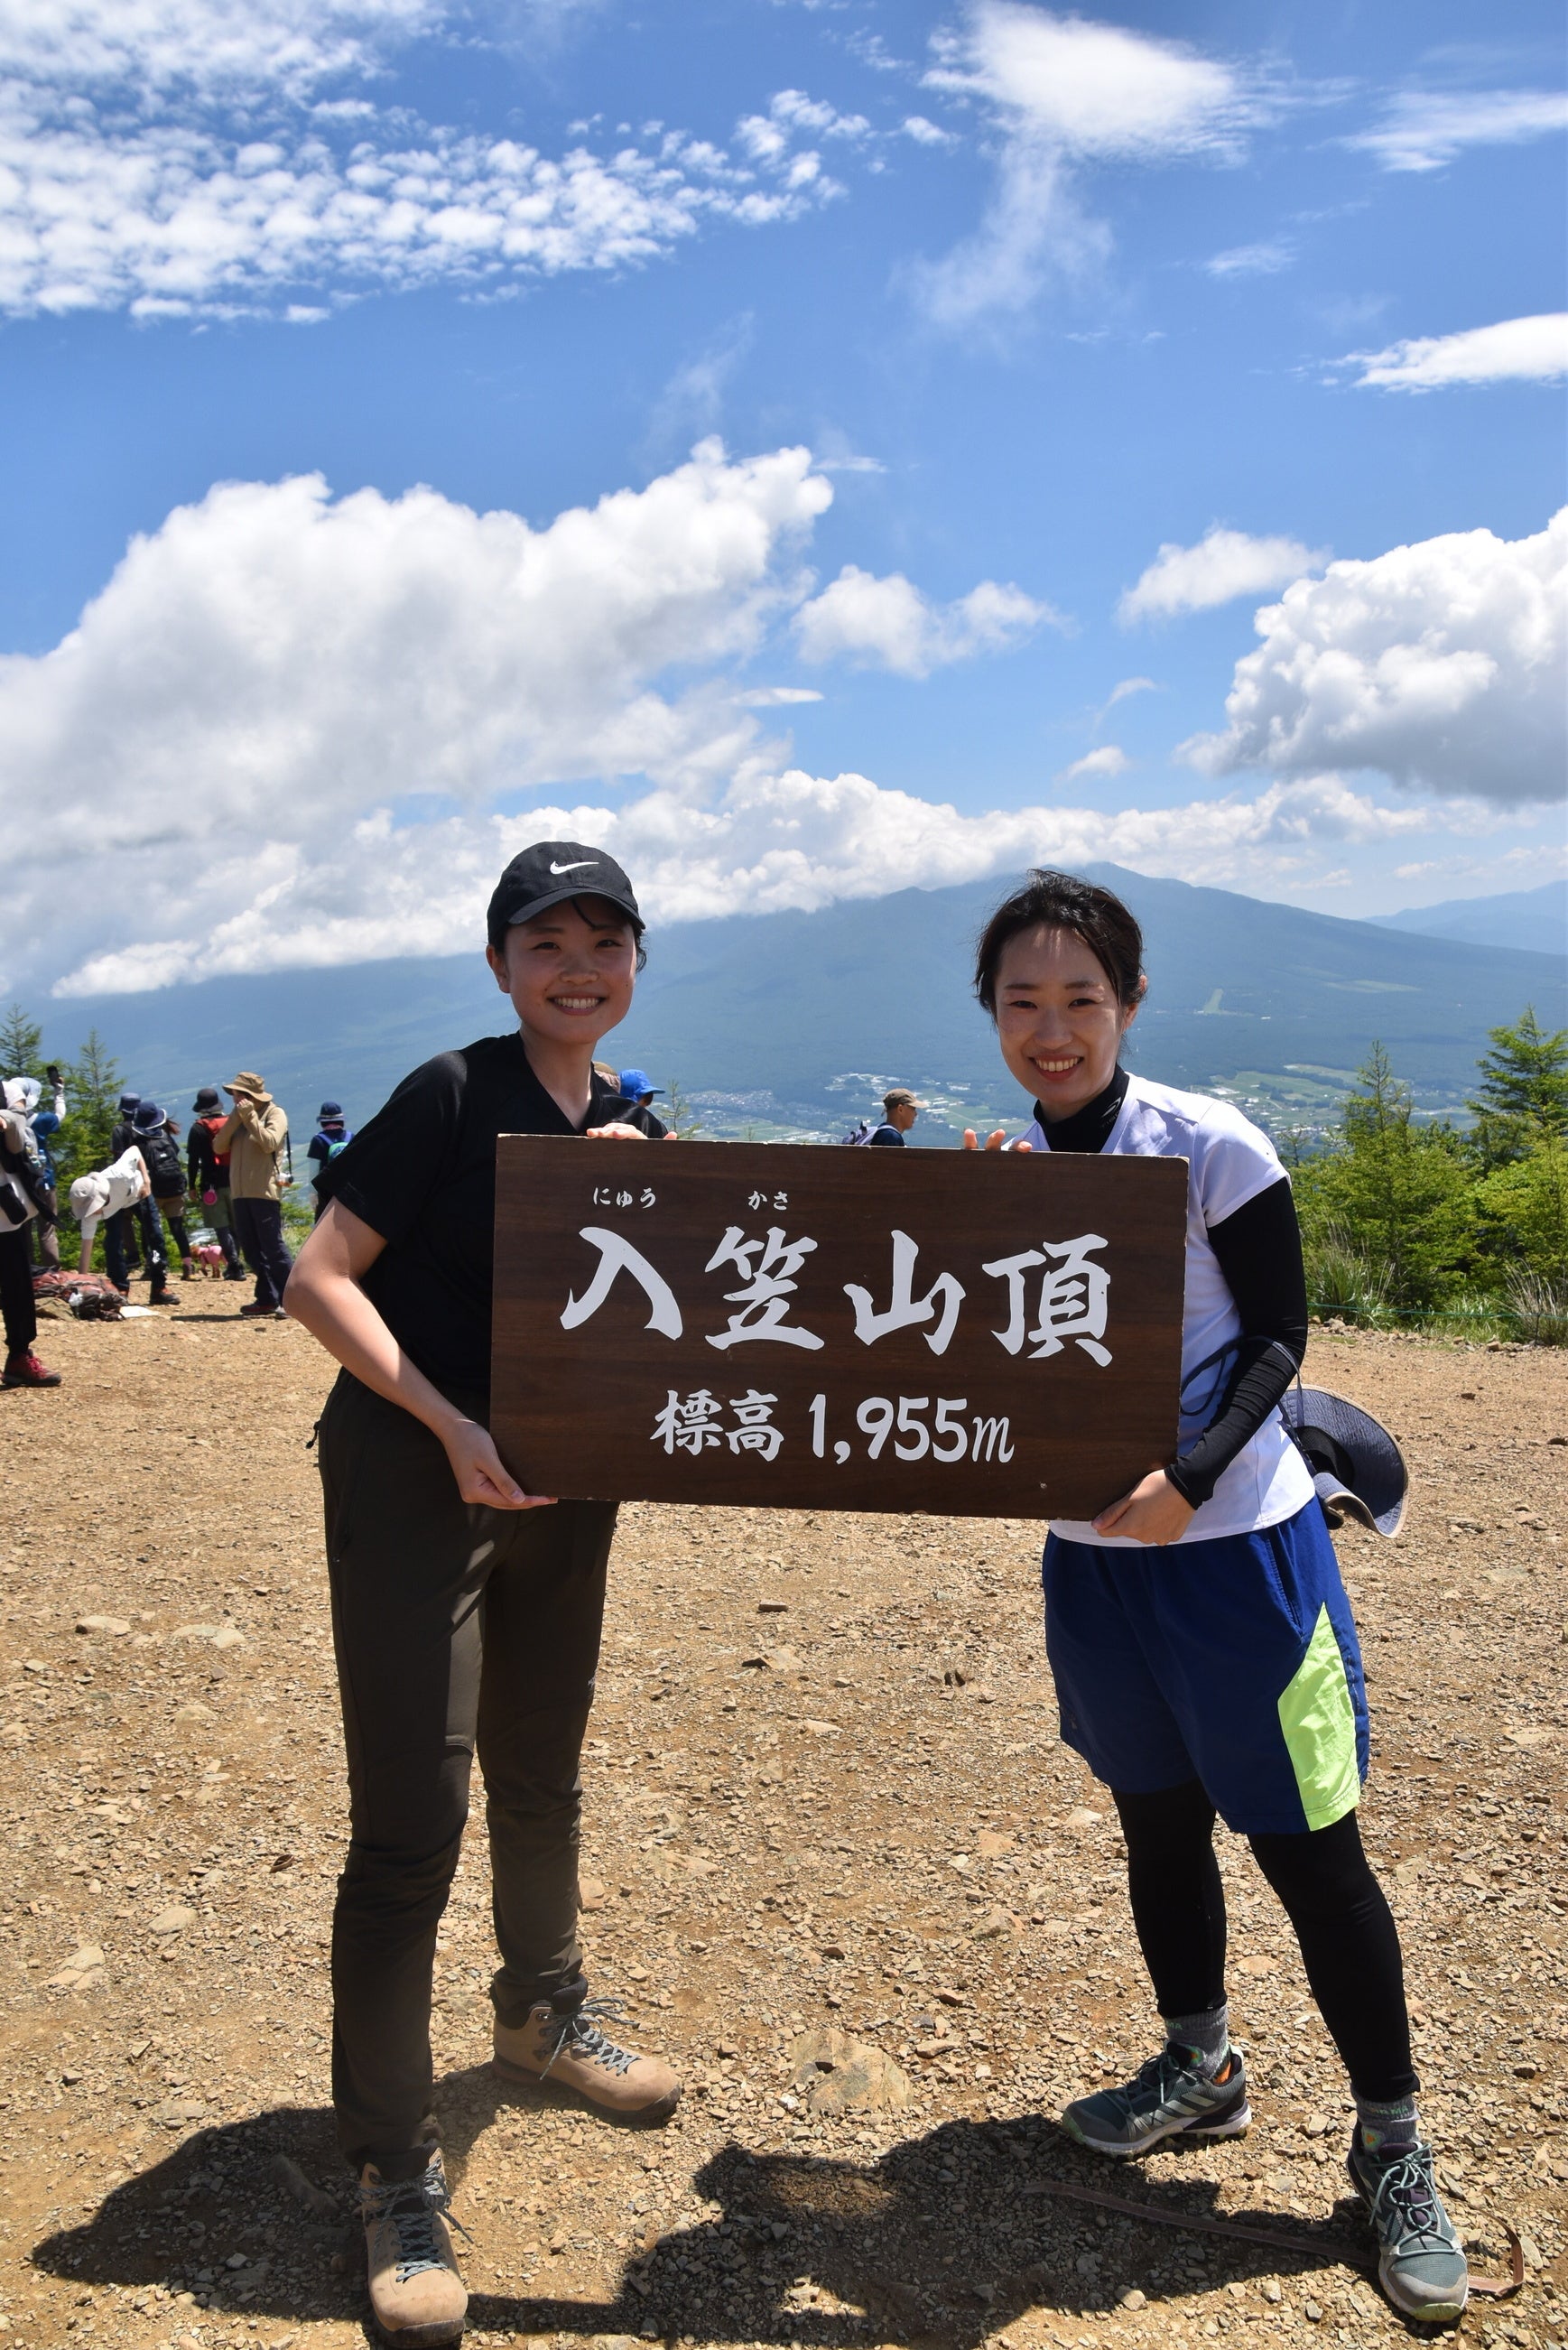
point(417, 2296)
point(256, 1311)
point(187, 1268)
point(162, 1296)
point(573, 2051)
point(24, 1370)
point(235, 1273)
point(1169, 2098)
point(1420, 2261)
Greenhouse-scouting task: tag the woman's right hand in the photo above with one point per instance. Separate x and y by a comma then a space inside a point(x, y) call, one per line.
point(481, 1474)
point(997, 1142)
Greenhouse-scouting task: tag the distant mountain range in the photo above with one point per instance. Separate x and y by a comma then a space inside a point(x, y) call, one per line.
point(1537, 919)
point(793, 1024)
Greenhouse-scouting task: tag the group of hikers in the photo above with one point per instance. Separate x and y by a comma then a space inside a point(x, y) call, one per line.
point(223, 1190)
point(1218, 1678)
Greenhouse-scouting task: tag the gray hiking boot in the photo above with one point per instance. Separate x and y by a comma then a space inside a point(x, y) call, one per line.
point(1170, 2098)
point(1421, 2262)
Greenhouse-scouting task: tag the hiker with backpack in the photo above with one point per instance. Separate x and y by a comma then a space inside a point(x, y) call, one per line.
point(150, 1136)
point(207, 1169)
point(901, 1109)
point(121, 1249)
point(23, 1193)
point(158, 1139)
point(255, 1137)
point(332, 1134)
point(101, 1195)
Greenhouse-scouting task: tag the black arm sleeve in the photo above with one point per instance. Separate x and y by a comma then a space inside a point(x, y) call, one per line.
point(1259, 1253)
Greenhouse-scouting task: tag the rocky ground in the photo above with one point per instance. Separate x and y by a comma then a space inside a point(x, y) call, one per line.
point(824, 1794)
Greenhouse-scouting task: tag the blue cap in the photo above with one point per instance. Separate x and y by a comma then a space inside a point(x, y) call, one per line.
point(330, 1109)
point(634, 1084)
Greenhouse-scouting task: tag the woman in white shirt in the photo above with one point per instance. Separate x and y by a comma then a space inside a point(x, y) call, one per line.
point(1205, 1657)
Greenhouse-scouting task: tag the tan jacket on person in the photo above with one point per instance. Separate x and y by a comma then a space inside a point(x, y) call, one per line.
point(254, 1134)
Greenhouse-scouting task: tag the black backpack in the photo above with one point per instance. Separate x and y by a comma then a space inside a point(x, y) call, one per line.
point(162, 1153)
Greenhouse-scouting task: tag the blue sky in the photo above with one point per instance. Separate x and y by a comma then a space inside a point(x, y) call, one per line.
point(1027, 357)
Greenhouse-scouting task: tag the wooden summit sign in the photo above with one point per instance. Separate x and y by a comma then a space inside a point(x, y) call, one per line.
point(994, 1333)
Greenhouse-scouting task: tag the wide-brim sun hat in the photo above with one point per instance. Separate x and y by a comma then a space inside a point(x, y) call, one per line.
point(1356, 1465)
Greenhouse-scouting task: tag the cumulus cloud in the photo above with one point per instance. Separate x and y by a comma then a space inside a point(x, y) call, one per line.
point(888, 623)
point(1109, 760)
point(1516, 351)
point(765, 842)
point(1223, 565)
point(1065, 94)
point(172, 156)
point(1420, 130)
point(1441, 665)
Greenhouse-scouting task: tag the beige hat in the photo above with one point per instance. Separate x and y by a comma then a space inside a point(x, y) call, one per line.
point(902, 1099)
point(248, 1082)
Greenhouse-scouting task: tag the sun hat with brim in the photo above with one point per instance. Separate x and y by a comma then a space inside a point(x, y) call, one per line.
point(206, 1100)
point(1356, 1464)
point(248, 1082)
point(147, 1119)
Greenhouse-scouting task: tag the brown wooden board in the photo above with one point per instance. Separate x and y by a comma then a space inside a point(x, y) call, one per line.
point(993, 1334)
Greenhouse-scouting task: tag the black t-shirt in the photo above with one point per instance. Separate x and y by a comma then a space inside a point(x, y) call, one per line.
point(888, 1132)
point(423, 1174)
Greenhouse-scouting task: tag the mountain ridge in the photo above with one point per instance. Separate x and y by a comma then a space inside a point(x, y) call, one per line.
point(792, 1022)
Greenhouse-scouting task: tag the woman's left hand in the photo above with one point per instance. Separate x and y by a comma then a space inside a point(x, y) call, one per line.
point(1154, 1512)
point(616, 1132)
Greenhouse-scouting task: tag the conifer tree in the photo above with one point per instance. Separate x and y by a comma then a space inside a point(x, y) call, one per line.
point(1524, 1092)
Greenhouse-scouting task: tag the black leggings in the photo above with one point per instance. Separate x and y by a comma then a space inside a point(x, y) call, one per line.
point(1349, 1942)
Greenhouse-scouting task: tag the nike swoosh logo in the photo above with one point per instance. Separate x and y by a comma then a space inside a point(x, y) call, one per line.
point(583, 865)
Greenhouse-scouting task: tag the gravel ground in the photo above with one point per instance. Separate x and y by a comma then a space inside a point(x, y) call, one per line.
point(824, 1791)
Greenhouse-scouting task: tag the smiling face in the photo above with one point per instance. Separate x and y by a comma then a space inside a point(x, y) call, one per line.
point(569, 971)
point(1058, 1021)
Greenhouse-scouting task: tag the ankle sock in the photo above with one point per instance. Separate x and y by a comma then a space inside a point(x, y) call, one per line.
point(1390, 2128)
point(1207, 2034)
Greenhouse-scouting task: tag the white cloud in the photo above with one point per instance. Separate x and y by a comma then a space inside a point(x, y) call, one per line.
point(1441, 665)
point(175, 156)
point(1109, 760)
point(926, 133)
point(1122, 690)
point(1516, 351)
point(889, 624)
point(1263, 260)
point(1223, 565)
point(1423, 129)
point(1063, 94)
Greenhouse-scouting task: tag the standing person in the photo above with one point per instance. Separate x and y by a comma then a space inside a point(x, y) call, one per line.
point(158, 1139)
point(901, 1109)
point(1223, 1675)
point(253, 1136)
point(207, 1172)
point(21, 1187)
point(121, 1251)
point(466, 1613)
point(332, 1134)
point(150, 1136)
point(42, 1124)
point(637, 1095)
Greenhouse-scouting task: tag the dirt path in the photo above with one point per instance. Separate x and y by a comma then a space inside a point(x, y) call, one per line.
point(823, 1790)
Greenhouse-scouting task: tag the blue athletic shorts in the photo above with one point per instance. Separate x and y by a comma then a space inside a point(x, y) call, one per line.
point(1233, 1661)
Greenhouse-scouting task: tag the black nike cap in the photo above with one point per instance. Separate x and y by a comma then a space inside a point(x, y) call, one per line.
point(549, 873)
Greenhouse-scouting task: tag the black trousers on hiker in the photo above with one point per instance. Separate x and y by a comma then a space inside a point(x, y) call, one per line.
point(457, 1630)
point(18, 1311)
point(258, 1228)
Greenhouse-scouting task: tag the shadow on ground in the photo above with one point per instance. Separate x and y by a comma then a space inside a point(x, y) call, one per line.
point(943, 2239)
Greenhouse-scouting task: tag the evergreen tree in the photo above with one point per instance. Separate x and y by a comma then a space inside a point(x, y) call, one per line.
point(1523, 1091)
point(20, 1041)
point(677, 1115)
point(1526, 1204)
point(93, 1085)
point(1400, 1190)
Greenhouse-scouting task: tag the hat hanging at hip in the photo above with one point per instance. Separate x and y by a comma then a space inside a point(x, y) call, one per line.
point(1356, 1464)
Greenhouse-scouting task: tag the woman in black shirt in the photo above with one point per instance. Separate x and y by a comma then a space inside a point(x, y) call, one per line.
point(466, 1613)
